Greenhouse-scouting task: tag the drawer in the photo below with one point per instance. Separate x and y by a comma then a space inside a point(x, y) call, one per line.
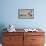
point(13, 33)
point(27, 37)
point(27, 41)
point(12, 39)
point(34, 33)
point(12, 44)
point(37, 44)
point(34, 39)
point(9, 45)
point(37, 39)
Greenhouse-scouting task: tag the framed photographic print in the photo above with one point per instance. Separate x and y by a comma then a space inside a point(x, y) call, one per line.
point(25, 13)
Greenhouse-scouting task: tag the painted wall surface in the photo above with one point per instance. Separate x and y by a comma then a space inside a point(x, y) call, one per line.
point(9, 13)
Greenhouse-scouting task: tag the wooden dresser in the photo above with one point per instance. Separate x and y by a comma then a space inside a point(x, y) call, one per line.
point(23, 39)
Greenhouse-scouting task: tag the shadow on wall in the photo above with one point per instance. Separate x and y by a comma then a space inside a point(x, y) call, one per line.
point(2, 26)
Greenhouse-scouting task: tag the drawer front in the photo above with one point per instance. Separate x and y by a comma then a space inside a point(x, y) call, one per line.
point(37, 39)
point(12, 39)
point(37, 45)
point(13, 33)
point(12, 44)
point(27, 41)
point(34, 33)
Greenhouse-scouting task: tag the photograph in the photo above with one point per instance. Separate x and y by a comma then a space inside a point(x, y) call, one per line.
point(25, 13)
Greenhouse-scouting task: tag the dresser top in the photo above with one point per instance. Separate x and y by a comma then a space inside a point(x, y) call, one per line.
point(22, 30)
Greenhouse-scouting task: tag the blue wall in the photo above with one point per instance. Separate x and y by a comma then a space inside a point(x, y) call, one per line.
point(9, 13)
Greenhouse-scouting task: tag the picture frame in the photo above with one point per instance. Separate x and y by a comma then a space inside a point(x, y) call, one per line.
point(25, 13)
